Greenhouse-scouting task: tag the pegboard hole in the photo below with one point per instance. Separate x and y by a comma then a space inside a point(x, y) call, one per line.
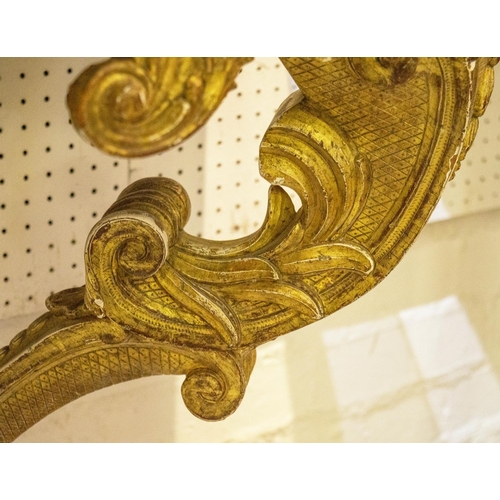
point(46, 98)
point(23, 101)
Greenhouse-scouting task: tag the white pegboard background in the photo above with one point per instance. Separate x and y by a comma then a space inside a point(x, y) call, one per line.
point(476, 186)
point(54, 186)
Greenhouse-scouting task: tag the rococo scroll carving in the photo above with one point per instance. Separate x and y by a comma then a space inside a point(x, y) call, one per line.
point(138, 106)
point(367, 143)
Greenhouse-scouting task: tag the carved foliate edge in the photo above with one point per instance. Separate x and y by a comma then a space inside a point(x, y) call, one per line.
point(146, 274)
point(140, 106)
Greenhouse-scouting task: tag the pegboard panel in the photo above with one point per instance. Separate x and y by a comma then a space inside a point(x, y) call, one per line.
point(476, 186)
point(218, 166)
point(53, 186)
point(235, 194)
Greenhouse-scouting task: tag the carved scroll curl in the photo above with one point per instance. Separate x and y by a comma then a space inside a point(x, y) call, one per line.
point(139, 106)
point(68, 353)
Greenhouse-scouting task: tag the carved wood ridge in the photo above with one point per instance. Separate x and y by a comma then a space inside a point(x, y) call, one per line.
point(367, 143)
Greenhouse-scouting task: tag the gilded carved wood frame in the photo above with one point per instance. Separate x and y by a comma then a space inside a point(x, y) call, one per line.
point(367, 143)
